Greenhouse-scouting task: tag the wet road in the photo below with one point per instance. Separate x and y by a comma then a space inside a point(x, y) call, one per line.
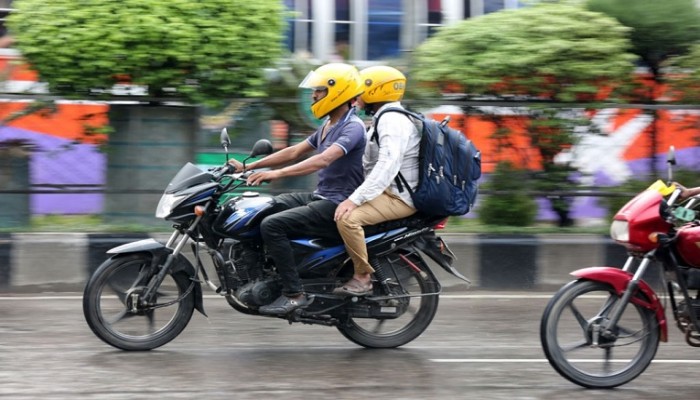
point(481, 345)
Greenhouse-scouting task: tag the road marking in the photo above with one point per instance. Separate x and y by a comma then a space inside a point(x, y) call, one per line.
point(541, 360)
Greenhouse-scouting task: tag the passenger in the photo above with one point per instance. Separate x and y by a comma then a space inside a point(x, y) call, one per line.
point(339, 143)
point(379, 198)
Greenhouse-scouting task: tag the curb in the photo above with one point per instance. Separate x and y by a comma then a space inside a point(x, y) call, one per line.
point(62, 262)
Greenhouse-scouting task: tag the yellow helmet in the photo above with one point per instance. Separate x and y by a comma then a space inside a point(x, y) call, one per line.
point(342, 82)
point(382, 84)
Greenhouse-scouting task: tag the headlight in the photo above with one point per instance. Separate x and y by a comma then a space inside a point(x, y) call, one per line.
point(166, 204)
point(620, 231)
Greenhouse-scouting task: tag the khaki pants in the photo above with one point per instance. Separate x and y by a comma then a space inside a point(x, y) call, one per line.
point(386, 207)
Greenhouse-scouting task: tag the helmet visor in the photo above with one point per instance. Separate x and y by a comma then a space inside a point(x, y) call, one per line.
point(314, 81)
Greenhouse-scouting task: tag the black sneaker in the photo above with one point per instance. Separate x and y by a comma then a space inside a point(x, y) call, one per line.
point(285, 305)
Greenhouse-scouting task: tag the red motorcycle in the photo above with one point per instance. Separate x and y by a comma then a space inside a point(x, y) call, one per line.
point(603, 329)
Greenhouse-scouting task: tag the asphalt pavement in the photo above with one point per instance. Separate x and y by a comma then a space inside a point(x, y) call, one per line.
point(481, 345)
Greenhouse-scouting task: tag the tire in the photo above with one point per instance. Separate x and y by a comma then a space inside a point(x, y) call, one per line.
point(418, 312)
point(566, 335)
point(106, 304)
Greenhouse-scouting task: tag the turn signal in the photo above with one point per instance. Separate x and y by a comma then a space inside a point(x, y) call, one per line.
point(198, 211)
point(654, 237)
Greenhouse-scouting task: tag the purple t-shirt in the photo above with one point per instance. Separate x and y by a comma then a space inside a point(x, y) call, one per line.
point(338, 180)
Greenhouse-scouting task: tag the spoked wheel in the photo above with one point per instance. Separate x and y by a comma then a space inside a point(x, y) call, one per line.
point(571, 337)
point(112, 310)
point(404, 314)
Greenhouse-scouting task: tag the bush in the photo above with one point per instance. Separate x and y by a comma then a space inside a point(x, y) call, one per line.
point(510, 204)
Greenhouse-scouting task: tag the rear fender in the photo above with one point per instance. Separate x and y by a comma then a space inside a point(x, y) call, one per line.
point(619, 280)
point(181, 265)
point(428, 247)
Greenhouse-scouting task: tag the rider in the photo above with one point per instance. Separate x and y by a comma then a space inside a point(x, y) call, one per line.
point(394, 150)
point(339, 144)
point(687, 192)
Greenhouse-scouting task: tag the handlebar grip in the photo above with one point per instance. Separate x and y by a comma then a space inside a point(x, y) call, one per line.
point(673, 197)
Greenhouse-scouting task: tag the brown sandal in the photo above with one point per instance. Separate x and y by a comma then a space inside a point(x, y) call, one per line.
point(353, 287)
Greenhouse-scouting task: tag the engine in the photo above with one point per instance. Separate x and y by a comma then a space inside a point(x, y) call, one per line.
point(249, 274)
point(248, 261)
point(259, 293)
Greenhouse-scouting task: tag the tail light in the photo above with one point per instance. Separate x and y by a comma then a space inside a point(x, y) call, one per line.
point(441, 224)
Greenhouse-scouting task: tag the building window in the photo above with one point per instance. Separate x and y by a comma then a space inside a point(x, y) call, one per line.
point(493, 6)
point(342, 25)
point(435, 19)
point(5, 9)
point(299, 25)
point(383, 29)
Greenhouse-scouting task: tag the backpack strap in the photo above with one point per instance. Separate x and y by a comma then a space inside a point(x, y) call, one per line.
point(399, 180)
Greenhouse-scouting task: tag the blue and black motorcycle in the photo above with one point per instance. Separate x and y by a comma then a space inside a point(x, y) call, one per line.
point(144, 295)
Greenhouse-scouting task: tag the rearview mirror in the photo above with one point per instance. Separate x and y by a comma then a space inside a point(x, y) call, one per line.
point(262, 147)
point(671, 159)
point(225, 139)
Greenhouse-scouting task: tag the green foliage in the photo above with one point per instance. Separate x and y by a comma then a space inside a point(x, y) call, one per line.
point(509, 204)
point(659, 28)
point(552, 51)
point(203, 51)
point(684, 76)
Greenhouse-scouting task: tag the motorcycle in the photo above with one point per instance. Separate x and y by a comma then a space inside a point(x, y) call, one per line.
point(144, 295)
point(603, 329)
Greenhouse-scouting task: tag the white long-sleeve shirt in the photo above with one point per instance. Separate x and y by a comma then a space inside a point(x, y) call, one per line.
point(399, 141)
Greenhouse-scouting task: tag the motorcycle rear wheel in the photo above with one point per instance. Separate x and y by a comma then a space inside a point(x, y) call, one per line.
point(108, 304)
point(418, 314)
point(566, 332)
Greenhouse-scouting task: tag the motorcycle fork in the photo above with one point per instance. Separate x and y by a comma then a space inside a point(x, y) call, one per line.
point(694, 321)
point(156, 281)
point(614, 317)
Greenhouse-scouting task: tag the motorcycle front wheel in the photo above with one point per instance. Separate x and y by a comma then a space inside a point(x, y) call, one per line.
point(112, 310)
point(571, 340)
point(415, 302)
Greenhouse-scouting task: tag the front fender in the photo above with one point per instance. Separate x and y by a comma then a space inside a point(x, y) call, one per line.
point(619, 280)
point(181, 265)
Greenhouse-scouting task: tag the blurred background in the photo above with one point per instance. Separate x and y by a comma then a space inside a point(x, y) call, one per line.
point(573, 104)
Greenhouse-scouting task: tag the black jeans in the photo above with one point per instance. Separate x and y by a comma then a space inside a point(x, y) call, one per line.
point(301, 215)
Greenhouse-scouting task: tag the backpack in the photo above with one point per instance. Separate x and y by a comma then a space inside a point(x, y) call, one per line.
point(449, 168)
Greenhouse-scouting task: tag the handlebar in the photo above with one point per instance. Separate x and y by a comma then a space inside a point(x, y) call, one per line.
point(240, 177)
point(674, 196)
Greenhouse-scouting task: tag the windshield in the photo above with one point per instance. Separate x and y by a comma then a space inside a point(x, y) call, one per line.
point(188, 176)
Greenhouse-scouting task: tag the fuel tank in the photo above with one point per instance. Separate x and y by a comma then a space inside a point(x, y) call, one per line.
point(688, 245)
point(240, 217)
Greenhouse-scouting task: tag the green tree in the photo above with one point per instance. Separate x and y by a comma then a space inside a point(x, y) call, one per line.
point(196, 52)
point(202, 51)
point(660, 30)
point(551, 52)
point(557, 52)
point(684, 78)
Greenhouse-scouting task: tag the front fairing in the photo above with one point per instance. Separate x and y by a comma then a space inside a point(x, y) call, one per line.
point(191, 186)
point(643, 215)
